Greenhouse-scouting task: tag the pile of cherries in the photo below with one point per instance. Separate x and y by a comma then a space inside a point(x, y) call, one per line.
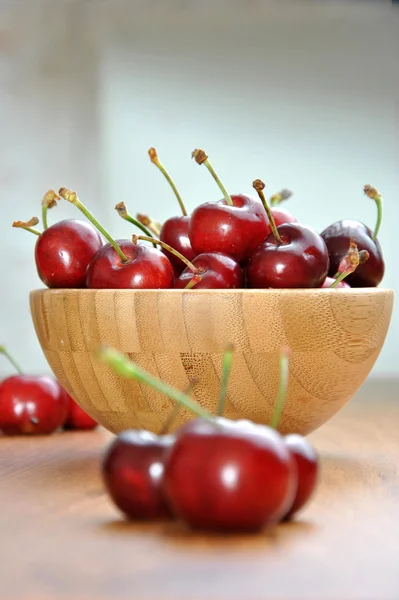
point(211, 473)
point(238, 241)
point(37, 405)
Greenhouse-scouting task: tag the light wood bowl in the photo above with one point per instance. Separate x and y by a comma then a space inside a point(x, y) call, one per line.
point(179, 335)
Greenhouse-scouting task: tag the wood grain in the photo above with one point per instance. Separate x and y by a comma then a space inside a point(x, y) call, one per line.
point(62, 538)
point(335, 337)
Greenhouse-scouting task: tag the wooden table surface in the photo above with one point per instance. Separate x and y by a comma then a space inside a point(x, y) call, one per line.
point(61, 537)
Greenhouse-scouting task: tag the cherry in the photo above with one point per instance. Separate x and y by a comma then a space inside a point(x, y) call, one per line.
point(220, 474)
point(307, 464)
point(337, 237)
point(210, 270)
point(293, 256)
point(235, 225)
point(122, 264)
point(174, 231)
point(64, 250)
point(279, 214)
point(30, 404)
point(132, 471)
point(77, 418)
point(229, 476)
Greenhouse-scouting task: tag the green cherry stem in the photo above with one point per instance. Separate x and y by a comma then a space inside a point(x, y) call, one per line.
point(4, 351)
point(49, 201)
point(372, 193)
point(282, 195)
point(122, 366)
point(193, 282)
point(72, 197)
point(282, 387)
point(165, 246)
point(124, 214)
point(153, 226)
point(202, 158)
point(259, 186)
point(227, 360)
point(28, 225)
point(152, 153)
point(176, 409)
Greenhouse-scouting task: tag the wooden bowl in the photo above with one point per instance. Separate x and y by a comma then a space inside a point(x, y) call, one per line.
point(179, 335)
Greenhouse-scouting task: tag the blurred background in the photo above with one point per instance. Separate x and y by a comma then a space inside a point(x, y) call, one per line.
point(301, 94)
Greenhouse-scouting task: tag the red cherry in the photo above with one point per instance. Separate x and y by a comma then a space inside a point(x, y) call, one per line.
point(235, 225)
point(31, 405)
point(77, 418)
point(229, 476)
point(133, 473)
point(337, 238)
point(307, 464)
point(293, 256)
point(174, 232)
point(146, 268)
point(300, 261)
point(215, 270)
point(63, 252)
point(235, 229)
point(282, 216)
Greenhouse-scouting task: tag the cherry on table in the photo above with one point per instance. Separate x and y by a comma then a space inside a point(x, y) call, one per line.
point(132, 471)
point(307, 463)
point(30, 404)
point(77, 418)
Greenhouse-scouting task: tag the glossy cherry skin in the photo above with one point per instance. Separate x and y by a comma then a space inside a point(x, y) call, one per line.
point(77, 418)
point(234, 230)
point(175, 233)
point(133, 470)
point(337, 237)
point(229, 476)
point(148, 268)
point(218, 271)
point(307, 463)
point(282, 216)
point(63, 251)
point(301, 261)
point(329, 280)
point(31, 405)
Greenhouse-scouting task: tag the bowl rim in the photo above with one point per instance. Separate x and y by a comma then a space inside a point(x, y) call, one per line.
point(282, 291)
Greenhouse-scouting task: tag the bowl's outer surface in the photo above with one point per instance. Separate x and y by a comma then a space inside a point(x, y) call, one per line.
point(335, 337)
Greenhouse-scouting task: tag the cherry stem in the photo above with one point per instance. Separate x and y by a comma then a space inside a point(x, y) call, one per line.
point(259, 187)
point(122, 366)
point(155, 160)
point(201, 158)
point(176, 409)
point(28, 225)
point(49, 201)
point(193, 282)
point(276, 199)
point(227, 360)
point(372, 193)
point(350, 262)
point(4, 351)
point(124, 214)
point(165, 246)
point(153, 226)
point(282, 387)
point(72, 197)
